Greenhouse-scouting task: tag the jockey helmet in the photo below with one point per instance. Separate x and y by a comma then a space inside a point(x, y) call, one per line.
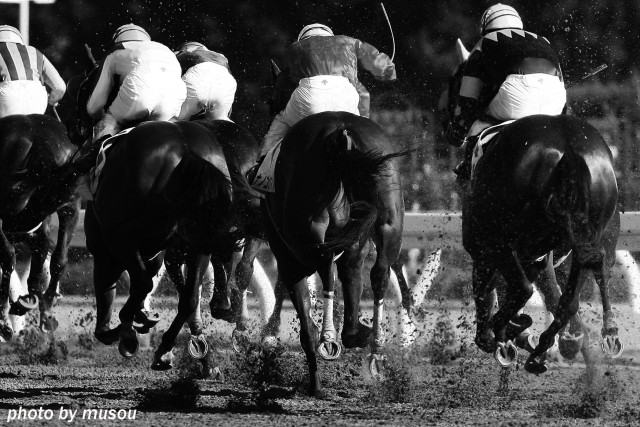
point(499, 17)
point(190, 47)
point(129, 33)
point(10, 34)
point(314, 30)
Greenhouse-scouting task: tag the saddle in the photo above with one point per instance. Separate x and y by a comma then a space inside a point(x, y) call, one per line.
point(89, 187)
point(485, 136)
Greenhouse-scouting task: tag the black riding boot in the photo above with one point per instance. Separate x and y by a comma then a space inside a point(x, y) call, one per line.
point(88, 155)
point(251, 173)
point(463, 170)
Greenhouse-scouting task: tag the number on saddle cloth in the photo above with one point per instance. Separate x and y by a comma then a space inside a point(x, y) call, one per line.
point(483, 140)
point(94, 173)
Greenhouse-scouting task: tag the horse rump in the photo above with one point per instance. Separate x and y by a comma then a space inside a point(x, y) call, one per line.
point(201, 195)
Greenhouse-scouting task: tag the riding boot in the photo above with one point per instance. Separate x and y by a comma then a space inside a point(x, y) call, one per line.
point(463, 170)
point(251, 173)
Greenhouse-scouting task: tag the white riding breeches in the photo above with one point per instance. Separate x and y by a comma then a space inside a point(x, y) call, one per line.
point(525, 95)
point(313, 95)
point(148, 93)
point(210, 87)
point(22, 97)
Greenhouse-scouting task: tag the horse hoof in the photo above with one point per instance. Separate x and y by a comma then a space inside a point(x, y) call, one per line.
point(198, 346)
point(485, 340)
point(329, 350)
point(240, 341)
point(23, 305)
point(534, 367)
point(377, 366)
point(366, 322)
point(144, 320)
point(518, 325)
point(360, 339)
point(162, 362)
point(527, 342)
point(108, 337)
point(570, 345)
point(612, 347)
point(129, 345)
point(6, 332)
point(506, 354)
point(49, 324)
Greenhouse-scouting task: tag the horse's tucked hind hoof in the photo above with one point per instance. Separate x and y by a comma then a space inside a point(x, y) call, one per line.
point(377, 364)
point(240, 340)
point(6, 332)
point(526, 341)
point(329, 349)
point(517, 325)
point(198, 346)
point(162, 361)
point(108, 337)
point(144, 320)
point(360, 339)
point(612, 347)
point(506, 354)
point(49, 323)
point(129, 345)
point(23, 305)
point(570, 345)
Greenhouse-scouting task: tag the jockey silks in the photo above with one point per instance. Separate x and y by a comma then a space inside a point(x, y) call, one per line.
point(493, 85)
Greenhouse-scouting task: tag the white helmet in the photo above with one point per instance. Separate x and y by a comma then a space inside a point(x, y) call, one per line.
point(10, 34)
point(499, 17)
point(313, 30)
point(190, 47)
point(129, 33)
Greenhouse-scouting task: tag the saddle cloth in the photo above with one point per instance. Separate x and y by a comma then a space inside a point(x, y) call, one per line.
point(485, 136)
point(264, 180)
point(89, 187)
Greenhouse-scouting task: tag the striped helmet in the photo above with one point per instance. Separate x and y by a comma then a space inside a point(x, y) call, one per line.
point(190, 47)
point(313, 30)
point(10, 34)
point(499, 17)
point(129, 33)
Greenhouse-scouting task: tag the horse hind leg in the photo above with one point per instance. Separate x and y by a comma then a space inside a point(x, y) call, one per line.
point(611, 346)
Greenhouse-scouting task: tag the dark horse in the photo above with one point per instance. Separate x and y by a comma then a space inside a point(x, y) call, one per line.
point(37, 178)
point(545, 183)
point(337, 186)
point(163, 185)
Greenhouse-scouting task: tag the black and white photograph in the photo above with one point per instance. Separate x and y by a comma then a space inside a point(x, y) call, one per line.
point(319, 213)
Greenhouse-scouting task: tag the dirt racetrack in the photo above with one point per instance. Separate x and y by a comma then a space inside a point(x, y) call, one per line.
point(442, 380)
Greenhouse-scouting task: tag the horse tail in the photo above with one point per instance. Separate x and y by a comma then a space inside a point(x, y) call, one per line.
point(353, 178)
point(203, 193)
point(568, 202)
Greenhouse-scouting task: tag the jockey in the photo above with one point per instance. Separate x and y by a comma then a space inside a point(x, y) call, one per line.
point(325, 69)
point(26, 74)
point(149, 79)
point(210, 86)
point(510, 74)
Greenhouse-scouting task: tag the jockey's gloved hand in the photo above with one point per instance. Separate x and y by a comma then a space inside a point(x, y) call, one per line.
point(452, 138)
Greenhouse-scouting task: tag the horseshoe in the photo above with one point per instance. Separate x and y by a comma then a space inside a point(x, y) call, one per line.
point(612, 347)
point(376, 366)
point(329, 350)
point(506, 354)
point(198, 346)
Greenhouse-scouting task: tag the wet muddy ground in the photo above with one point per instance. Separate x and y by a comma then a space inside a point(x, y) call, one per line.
point(442, 380)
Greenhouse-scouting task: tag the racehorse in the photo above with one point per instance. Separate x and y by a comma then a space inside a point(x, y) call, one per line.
point(337, 185)
point(37, 178)
point(544, 183)
point(241, 150)
point(163, 185)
